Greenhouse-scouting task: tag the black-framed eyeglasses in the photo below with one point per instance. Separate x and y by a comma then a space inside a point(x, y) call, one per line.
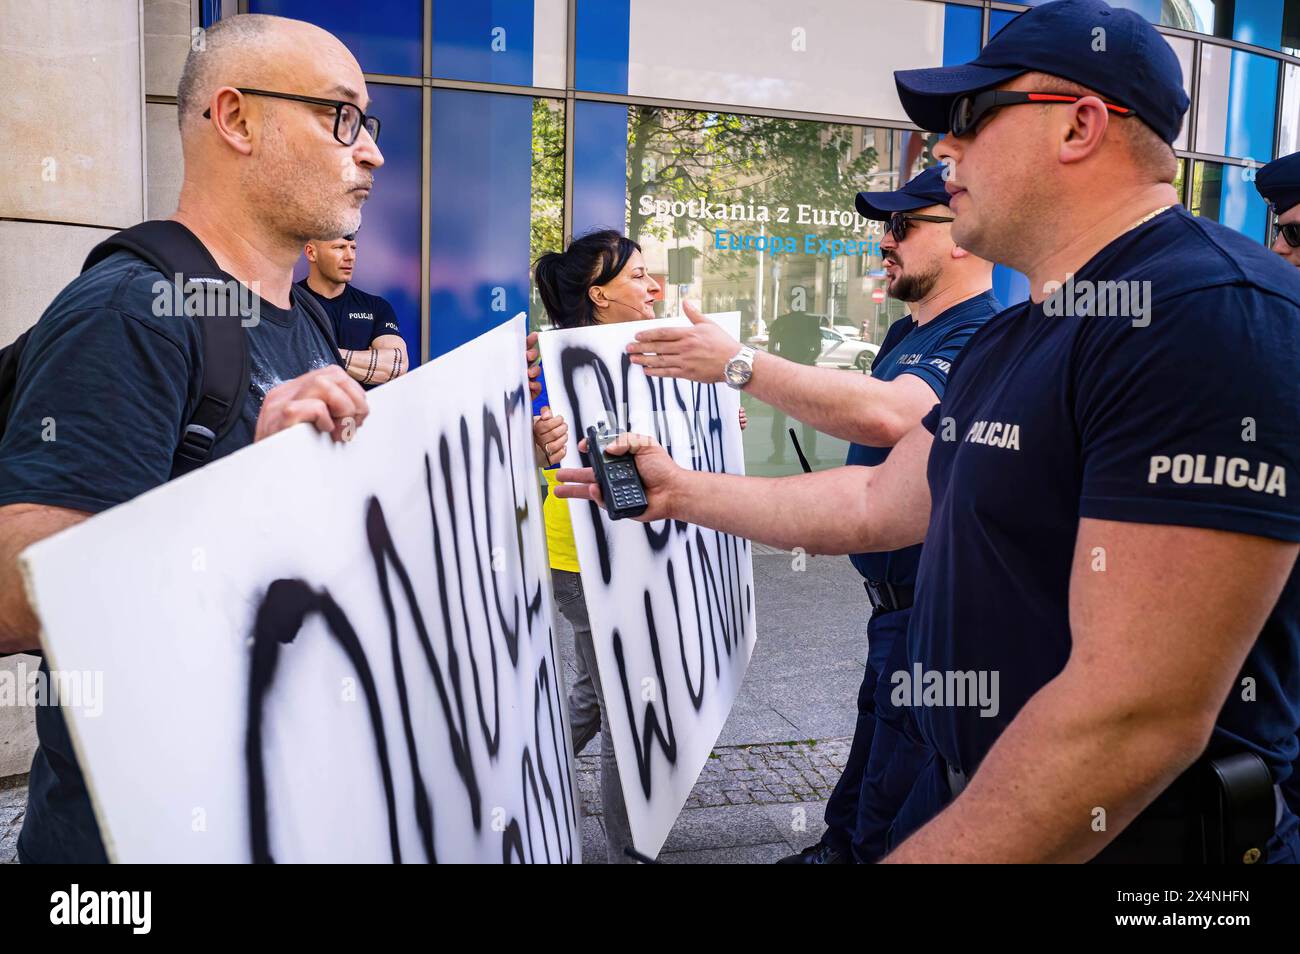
point(1290, 233)
point(900, 222)
point(969, 108)
point(349, 120)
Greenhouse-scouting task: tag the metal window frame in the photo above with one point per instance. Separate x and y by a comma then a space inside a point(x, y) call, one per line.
point(570, 95)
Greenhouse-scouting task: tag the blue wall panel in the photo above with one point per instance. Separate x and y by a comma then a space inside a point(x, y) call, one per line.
point(998, 19)
point(599, 167)
point(961, 33)
point(1009, 285)
point(386, 36)
point(1252, 101)
point(1258, 22)
point(1252, 95)
point(601, 45)
point(465, 33)
point(481, 186)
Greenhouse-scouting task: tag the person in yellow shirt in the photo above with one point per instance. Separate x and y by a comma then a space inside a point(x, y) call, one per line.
point(600, 279)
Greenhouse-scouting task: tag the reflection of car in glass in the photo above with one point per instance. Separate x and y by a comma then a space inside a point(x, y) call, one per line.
point(842, 347)
point(841, 350)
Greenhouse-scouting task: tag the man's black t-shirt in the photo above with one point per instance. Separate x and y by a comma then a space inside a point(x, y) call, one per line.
point(1188, 415)
point(105, 387)
point(359, 318)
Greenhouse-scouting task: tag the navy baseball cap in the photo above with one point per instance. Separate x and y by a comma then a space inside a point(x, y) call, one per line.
point(1279, 182)
point(1115, 52)
point(924, 189)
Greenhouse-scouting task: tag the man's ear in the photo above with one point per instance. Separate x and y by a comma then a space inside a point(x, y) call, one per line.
point(1087, 120)
point(310, 251)
point(231, 120)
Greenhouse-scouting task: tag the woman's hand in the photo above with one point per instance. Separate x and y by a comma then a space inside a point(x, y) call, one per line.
point(531, 354)
point(550, 436)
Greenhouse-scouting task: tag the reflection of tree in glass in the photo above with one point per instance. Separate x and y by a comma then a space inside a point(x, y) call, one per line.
point(680, 155)
point(547, 232)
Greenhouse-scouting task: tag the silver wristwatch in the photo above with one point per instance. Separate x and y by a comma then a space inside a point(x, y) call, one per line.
point(740, 368)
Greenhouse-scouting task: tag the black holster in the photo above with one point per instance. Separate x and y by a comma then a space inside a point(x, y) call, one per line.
point(1221, 811)
point(1240, 809)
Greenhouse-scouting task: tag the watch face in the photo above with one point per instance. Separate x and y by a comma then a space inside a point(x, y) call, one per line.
point(738, 371)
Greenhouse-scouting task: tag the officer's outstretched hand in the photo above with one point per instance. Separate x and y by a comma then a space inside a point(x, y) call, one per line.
point(327, 397)
point(699, 352)
point(659, 474)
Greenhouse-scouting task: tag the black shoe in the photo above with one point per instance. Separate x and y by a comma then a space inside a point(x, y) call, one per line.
point(818, 854)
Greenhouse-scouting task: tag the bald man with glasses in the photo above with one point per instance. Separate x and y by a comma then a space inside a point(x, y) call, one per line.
point(278, 150)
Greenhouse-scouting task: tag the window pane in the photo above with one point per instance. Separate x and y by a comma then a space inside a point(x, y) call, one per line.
point(385, 36)
point(1212, 105)
point(1235, 115)
point(492, 41)
point(1227, 194)
point(753, 216)
point(764, 56)
point(1213, 17)
point(547, 225)
point(1185, 50)
point(1207, 189)
point(1289, 128)
point(1291, 27)
point(485, 218)
point(388, 242)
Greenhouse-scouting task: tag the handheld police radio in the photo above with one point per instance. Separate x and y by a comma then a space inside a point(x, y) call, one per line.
point(618, 479)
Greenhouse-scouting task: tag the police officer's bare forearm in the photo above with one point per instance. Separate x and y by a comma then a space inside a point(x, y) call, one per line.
point(844, 510)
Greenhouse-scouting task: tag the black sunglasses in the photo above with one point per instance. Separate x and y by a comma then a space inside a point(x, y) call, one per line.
point(900, 222)
point(349, 120)
point(970, 108)
point(1290, 232)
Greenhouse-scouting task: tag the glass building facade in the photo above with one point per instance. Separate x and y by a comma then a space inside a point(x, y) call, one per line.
point(729, 139)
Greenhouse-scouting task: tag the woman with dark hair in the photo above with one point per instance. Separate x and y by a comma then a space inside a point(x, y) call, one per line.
point(600, 279)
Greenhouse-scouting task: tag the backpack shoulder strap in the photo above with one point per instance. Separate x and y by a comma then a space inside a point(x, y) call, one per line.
point(166, 245)
point(177, 252)
point(224, 385)
point(9, 356)
point(316, 312)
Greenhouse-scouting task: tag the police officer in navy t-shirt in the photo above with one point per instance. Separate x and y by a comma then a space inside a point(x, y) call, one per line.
point(948, 291)
point(886, 756)
point(365, 325)
point(1279, 183)
point(1104, 650)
